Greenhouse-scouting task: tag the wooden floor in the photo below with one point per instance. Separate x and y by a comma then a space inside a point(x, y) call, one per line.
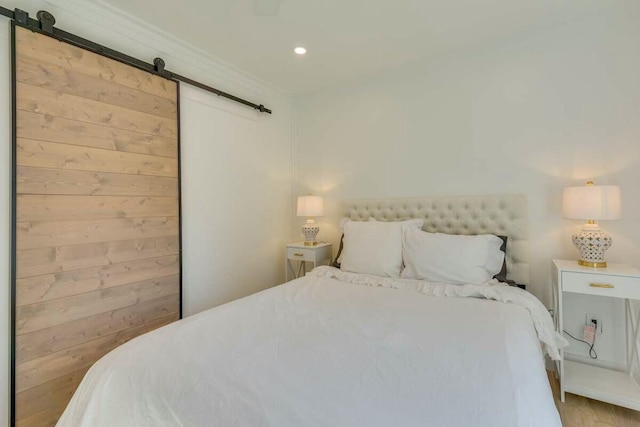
point(578, 411)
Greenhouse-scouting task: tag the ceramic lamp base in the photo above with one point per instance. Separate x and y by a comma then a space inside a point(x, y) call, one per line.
point(592, 243)
point(310, 230)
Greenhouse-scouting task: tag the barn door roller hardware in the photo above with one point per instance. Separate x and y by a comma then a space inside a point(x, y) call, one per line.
point(45, 25)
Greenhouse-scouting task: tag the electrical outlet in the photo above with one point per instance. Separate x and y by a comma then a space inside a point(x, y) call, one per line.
point(588, 322)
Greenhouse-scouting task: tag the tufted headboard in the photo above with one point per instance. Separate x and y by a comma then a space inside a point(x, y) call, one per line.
point(504, 215)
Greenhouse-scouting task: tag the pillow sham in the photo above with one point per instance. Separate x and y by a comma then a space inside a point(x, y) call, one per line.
point(449, 258)
point(336, 263)
point(373, 247)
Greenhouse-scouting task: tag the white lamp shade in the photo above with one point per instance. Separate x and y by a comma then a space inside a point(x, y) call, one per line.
point(597, 202)
point(310, 206)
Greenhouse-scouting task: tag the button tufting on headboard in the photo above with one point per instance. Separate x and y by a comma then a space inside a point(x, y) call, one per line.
point(504, 215)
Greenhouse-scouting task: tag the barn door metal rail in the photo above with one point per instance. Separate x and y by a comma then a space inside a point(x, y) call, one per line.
point(45, 25)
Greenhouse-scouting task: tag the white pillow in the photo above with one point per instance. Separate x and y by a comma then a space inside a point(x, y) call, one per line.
point(451, 258)
point(374, 247)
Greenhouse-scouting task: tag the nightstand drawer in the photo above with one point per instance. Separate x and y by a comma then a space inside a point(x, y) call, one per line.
point(601, 284)
point(301, 254)
point(306, 256)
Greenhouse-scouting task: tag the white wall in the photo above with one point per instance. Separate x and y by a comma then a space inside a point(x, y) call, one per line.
point(237, 195)
point(545, 109)
point(236, 165)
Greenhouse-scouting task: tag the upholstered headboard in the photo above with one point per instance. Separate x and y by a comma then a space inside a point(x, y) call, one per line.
point(505, 215)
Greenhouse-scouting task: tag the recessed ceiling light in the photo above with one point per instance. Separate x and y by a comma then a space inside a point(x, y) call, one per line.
point(300, 50)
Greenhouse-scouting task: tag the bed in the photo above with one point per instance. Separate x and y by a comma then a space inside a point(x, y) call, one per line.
point(339, 348)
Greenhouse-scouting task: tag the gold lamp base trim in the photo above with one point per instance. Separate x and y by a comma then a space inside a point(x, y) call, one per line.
point(311, 243)
point(593, 264)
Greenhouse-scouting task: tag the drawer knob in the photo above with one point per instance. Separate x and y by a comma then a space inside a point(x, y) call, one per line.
point(298, 254)
point(601, 285)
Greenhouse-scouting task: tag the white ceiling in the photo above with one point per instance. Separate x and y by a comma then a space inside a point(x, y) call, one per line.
point(345, 39)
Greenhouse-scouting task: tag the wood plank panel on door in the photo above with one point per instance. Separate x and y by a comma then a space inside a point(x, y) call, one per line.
point(56, 338)
point(37, 371)
point(38, 234)
point(37, 289)
point(42, 154)
point(52, 103)
point(97, 226)
point(37, 207)
point(35, 72)
point(34, 262)
point(41, 127)
point(48, 395)
point(89, 183)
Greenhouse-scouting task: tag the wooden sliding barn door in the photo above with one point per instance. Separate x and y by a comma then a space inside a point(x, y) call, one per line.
point(97, 246)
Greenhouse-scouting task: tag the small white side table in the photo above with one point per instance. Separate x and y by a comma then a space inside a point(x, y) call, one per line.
point(297, 255)
point(614, 281)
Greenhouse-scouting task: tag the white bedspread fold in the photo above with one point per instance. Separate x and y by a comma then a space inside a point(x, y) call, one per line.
point(552, 341)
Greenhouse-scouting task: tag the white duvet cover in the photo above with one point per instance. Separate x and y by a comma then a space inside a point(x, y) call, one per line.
point(335, 349)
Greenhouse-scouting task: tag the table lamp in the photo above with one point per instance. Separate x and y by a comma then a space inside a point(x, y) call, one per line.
point(592, 203)
point(310, 206)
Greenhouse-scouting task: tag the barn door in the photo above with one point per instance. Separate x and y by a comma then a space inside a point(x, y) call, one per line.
point(96, 220)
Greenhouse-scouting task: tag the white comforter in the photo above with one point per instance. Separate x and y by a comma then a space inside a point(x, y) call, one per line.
point(334, 349)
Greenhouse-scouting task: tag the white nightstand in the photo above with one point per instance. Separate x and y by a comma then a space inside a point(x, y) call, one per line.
point(316, 255)
point(615, 281)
